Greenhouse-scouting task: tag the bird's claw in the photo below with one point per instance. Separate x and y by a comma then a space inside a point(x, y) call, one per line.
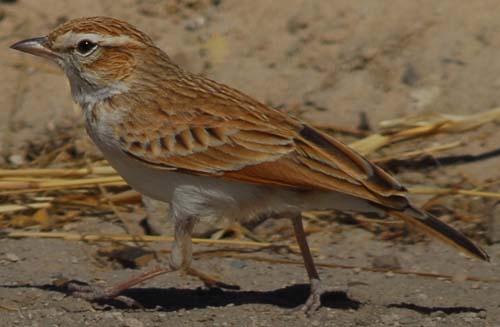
point(313, 302)
point(96, 294)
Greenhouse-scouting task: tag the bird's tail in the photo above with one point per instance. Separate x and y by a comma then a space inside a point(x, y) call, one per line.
point(433, 226)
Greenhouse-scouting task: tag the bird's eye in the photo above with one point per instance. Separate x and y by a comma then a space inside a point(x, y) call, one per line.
point(86, 47)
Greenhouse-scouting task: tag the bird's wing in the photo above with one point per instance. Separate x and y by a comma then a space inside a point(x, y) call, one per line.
point(231, 136)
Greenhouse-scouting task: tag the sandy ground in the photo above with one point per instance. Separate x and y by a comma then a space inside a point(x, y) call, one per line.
point(331, 59)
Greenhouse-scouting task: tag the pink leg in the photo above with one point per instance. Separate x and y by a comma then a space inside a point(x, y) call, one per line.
point(313, 303)
point(180, 259)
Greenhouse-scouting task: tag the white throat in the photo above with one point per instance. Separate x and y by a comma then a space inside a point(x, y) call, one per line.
point(86, 89)
point(89, 97)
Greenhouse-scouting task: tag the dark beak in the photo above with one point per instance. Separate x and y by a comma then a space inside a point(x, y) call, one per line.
point(38, 46)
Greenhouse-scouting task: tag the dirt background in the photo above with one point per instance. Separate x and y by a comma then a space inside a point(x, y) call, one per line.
point(331, 60)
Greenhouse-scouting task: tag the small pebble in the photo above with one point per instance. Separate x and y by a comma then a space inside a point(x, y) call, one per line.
point(422, 296)
point(493, 232)
point(11, 257)
point(424, 97)
point(438, 314)
point(238, 264)
point(386, 262)
point(410, 76)
point(132, 322)
point(469, 319)
point(297, 23)
point(334, 37)
point(117, 315)
point(369, 53)
point(390, 319)
point(195, 23)
point(17, 159)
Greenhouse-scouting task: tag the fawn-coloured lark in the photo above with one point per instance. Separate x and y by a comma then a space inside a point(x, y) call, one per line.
point(210, 150)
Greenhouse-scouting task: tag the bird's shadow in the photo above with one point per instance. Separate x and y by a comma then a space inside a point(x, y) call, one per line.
point(172, 299)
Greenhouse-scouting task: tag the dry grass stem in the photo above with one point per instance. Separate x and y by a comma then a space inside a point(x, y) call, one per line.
point(48, 172)
point(9, 208)
point(134, 238)
point(424, 124)
point(445, 191)
point(439, 122)
point(415, 153)
point(379, 221)
point(60, 184)
point(129, 196)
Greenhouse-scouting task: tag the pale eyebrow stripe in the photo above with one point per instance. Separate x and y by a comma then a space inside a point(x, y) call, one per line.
point(107, 40)
point(70, 39)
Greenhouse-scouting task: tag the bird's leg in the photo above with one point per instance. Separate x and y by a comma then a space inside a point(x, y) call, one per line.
point(180, 259)
point(181, 256)
point(314, 301)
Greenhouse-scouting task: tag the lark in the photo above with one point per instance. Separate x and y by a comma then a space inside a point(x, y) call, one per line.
point(211, 151)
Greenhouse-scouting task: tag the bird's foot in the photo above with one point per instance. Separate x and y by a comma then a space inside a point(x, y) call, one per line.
point(313, 302)
point(98, 294)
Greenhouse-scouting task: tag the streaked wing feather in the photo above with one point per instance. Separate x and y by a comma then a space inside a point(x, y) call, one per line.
point(226, 133)
point(218, 149)
point(326, 148)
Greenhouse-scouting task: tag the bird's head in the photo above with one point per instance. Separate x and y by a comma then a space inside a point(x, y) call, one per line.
point(99, 55)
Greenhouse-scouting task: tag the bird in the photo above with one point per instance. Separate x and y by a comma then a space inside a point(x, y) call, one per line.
point(211, 151)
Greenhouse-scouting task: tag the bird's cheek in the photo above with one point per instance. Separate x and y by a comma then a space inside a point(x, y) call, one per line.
point(113, 65)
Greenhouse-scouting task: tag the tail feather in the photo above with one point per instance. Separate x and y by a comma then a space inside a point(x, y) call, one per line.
point(442, 231)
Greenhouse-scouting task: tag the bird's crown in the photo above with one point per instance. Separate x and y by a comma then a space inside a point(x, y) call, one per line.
point(106, 30)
